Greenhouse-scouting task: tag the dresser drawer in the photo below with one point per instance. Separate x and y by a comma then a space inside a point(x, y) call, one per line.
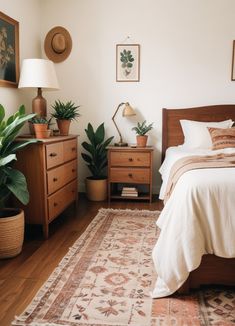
point(70, 150)
point(61, 199)
point(54, 154)
point(70, 171)
point(129, 159)
point(55, 179)
point(133, 175)
point(60, 176)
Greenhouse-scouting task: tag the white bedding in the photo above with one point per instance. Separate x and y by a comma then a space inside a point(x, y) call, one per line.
point(198, 219)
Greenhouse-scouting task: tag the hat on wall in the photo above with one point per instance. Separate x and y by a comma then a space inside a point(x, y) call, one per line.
point(58, 44)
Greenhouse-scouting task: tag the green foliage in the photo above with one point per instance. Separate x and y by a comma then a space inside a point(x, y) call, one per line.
point(96, 158)
point(39, 120)
point(126, 59)
point(65, 111)
point(142, 128)
point(12, 180)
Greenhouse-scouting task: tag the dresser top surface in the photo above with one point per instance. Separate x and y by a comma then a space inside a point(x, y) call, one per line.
point(51, 139)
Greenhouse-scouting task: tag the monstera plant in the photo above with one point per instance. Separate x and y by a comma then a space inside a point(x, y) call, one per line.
point(12, 182)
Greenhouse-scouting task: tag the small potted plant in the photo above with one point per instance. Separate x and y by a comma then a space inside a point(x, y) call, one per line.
point(141, 130)
point(96, 159)
point(12, 182)
point(40, 125)
point(64, 113)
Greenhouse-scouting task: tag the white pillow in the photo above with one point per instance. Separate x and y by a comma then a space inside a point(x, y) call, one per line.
point(196, 134)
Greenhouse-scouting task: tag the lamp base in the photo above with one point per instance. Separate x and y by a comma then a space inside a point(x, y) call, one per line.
point(39, 104)
point(121, 144)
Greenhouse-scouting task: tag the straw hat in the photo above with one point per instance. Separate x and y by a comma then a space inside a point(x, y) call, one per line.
point(58, 44)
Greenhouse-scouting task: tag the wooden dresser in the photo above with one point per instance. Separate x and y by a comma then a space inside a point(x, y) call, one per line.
point(50, 167)
point(128, 166)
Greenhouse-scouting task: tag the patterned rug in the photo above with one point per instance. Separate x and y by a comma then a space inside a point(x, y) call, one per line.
point(106, 277)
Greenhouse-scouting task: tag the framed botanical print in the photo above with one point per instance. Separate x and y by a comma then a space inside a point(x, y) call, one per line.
point(9, 51)
point(127, 62)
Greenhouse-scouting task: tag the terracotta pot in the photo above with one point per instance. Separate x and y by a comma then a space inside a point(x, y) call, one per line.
point(141, 141)
point(96, 190)
point(63, 126)
point(41, 130)
point(11, 232)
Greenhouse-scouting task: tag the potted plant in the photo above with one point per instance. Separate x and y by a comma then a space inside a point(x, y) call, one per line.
point(13, 182)
point(141, 130)
point(96, 159)
point(64, 113)
point(40, 125)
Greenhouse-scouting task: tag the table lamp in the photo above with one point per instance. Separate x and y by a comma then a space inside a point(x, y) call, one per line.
point(40, 74)
point(127, 112)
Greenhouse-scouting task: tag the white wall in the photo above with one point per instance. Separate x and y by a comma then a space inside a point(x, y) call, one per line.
point(186, 48)
point(27, 13)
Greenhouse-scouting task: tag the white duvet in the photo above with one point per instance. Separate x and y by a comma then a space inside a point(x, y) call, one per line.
point(198, 219)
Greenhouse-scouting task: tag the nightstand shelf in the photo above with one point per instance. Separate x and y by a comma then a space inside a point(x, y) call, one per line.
point(128, 166)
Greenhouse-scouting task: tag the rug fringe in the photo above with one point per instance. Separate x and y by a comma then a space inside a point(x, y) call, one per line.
point(132, 211)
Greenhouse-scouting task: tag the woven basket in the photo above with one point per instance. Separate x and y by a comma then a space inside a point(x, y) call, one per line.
point(11, 232)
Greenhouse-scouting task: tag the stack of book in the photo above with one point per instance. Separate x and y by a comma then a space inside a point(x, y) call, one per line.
point(129, 192)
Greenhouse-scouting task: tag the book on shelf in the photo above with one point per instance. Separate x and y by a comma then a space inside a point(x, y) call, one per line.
point(129, 191)
point(129, 194)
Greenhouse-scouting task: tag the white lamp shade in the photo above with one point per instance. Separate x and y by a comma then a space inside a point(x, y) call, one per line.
point(39, 73)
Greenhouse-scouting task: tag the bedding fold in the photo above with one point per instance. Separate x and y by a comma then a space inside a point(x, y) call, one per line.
point(196, 162)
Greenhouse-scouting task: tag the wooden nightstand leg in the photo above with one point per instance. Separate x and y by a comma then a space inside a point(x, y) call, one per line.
point(45, 230)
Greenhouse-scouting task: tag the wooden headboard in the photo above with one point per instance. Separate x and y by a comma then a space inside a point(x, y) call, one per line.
point(172, 134)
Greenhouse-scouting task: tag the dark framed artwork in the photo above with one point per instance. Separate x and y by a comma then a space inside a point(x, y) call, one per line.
point(233, 63)
point(9, 51)
point(127, 62)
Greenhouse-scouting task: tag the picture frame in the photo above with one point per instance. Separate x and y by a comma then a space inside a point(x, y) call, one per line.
point(233, 62)
point(127, 62)
point(9, 51)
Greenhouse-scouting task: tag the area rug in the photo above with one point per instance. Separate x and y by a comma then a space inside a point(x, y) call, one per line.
point(106, 279)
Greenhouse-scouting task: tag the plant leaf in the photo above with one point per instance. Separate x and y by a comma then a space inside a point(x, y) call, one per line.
point(16, 183)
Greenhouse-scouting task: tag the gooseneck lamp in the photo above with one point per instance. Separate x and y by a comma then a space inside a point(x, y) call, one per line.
point(127, 112)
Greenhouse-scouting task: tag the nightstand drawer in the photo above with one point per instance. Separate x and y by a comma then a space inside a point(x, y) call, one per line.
point(129, 159)
point(132, 175)
point(54, 155)
point(70, 150)
point(61, 199)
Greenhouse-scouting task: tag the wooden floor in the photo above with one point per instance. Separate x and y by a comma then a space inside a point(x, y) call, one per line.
point(22, 276)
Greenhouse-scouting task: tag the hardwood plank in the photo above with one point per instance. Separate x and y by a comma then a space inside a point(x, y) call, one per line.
point(22, 276)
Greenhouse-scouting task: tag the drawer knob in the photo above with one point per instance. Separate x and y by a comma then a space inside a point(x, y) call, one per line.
point(73, 170)
point(130, 175)
point(53, 154)
point(73, 149)
point(55, 179)
point(55, 204)
point(130, 159)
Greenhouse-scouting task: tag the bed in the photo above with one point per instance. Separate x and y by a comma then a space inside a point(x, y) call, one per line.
point(211, 269)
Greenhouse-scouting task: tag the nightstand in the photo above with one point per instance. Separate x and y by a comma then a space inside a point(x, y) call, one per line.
point(130, 167)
